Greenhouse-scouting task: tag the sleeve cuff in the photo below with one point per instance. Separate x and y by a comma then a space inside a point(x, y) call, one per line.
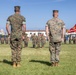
point(24, 23)
point(8, 22)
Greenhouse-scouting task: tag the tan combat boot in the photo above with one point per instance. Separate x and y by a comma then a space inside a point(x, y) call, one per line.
point(56, 63)
point(18, 64)
point(14, 64)
point(53, 64)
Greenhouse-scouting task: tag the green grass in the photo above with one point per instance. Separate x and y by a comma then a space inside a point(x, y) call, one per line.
point(37, 61)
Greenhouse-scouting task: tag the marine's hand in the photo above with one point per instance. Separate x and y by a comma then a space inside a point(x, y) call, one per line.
point(9, 35)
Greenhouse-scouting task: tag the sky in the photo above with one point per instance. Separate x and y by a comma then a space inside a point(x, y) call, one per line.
point(38, 12)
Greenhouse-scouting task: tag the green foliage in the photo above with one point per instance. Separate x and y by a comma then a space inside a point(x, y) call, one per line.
point(37, 61)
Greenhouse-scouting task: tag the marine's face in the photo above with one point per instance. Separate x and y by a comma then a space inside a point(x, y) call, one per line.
point(55, 14)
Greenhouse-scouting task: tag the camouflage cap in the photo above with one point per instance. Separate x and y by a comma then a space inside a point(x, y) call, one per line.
point(17, 8)
point(55, 11)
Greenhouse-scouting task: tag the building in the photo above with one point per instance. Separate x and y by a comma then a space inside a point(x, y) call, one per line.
point(31, 32)
point(2, 32)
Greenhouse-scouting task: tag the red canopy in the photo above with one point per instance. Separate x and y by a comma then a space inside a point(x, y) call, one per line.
point(72, 29)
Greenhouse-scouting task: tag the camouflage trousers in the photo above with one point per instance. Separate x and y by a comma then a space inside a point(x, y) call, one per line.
point(34, 43)
point(54, 51)
point(6, 41)
point(2, 41)
point(16, 46)
point(38, 44)
point(25, 43)
point(42, 43)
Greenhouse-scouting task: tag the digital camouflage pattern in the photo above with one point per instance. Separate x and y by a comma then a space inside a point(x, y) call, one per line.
point(43, 41)
point(55, 26)
point(2, 39)
point(25, 40)
point(54, 51)
point(6, 39)
point(16, 47)
point(74, 40)
point(34, 40)
point(38, 41)
point(16, 22)
point(70, 39)
point(65, 39)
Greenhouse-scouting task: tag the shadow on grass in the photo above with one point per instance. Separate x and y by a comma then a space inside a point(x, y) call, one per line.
point(7, 62)
point(42, 62)
point(1, 61)
point(35, 48)
point(47, 47)
point(32, 47)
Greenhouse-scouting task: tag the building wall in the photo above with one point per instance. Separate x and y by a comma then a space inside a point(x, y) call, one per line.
point(2, 32)
point(31, 32)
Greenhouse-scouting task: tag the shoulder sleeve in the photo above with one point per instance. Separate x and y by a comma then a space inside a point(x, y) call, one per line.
point(24, 21)
point(63, 24)
point(47, 24)
point(8, 20)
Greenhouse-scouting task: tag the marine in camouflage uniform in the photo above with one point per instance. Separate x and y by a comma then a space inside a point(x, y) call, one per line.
point(75, 39)
point(43, 41)
point(18, 23)
point(38, 40)
point(64, 39)
point(55, 27)
point(25, 40)
point(6, 39)
point(70, 39)
point(34, 39)
point(2, 39)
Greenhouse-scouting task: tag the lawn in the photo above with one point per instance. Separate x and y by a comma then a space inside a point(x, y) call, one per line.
point(37, 61)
